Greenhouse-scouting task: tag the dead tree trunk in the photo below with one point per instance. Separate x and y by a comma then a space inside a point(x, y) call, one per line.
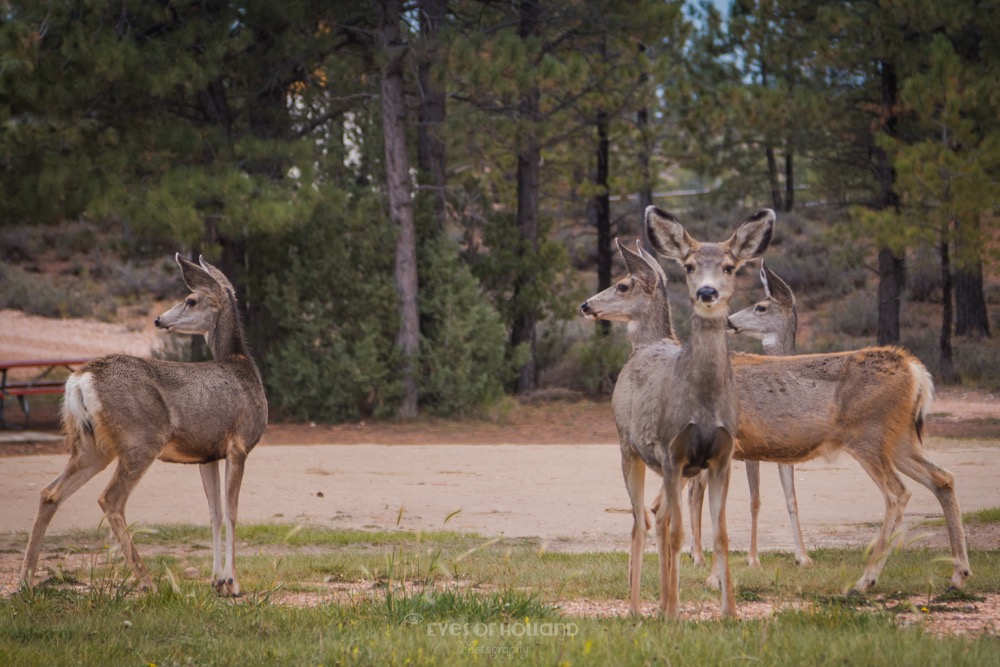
point(397, 168)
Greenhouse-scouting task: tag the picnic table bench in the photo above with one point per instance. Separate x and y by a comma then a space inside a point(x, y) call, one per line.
point(40, 382)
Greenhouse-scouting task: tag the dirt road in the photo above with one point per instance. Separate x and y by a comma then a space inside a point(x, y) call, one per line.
point(571, 496)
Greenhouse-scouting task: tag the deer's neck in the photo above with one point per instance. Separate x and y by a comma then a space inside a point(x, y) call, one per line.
point(783, 342)
point(708, 358)
point(654, 325)
point(226, 339)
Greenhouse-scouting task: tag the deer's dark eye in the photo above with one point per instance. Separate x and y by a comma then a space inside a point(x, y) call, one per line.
point(760, 308)
point(728, 269)
point(689, 268)
point(191, 303)
point(622, 288)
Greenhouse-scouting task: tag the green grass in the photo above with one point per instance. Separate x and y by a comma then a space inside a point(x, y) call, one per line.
point(444, 597)
point(983, 516)
point(988, 515)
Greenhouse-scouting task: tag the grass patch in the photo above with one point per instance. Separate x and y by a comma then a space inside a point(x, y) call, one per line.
point(444, 597)
point(188, 627)
point(988, 515)
point(983, 516)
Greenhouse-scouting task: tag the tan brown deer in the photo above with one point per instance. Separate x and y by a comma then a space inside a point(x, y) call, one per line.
point(773, 321)
point(138, 410)
point(870, 403)
point(676, 406)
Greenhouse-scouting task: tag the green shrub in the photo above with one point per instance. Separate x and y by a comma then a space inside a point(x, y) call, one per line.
point(592, 362)
point(601, 359)
point(37, 295)
point(327, 321)
point(856, 315)
point(326, 328)
point(463, 350)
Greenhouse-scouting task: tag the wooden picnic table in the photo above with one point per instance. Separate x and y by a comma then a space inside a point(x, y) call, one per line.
point(39, 382)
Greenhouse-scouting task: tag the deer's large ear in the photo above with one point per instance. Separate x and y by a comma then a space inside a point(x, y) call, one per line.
point(654, 264)
point(218, 275)
point(776, 289)
point(753, 237)
point(638, 267)
point(667, 236)
point(195, 277)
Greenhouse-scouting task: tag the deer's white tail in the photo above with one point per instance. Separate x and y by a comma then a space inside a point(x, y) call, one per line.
point(80, 404)
point(923, 396)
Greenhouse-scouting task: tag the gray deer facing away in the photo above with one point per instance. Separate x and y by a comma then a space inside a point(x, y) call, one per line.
point(676, 406)
point(138, 410)
point(773, 321)
point(870, 403)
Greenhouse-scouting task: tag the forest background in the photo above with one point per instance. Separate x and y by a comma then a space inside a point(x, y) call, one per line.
point(412, 198)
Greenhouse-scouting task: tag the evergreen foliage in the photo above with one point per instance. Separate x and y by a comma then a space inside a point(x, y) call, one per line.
point(252, 132)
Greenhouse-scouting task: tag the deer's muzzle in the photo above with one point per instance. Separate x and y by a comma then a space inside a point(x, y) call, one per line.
point(707, 294)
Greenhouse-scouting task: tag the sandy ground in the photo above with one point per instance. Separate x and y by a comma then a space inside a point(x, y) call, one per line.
point(571, 496)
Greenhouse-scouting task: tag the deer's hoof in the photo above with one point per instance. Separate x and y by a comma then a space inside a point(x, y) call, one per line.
point(804, 561)
point(958, 580)
point(228, 588)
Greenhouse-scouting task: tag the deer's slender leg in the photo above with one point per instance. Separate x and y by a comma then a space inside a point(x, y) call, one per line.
point(696, 501)
point(896, 496)
point(941, 483)
point(634, 471)
point(227, 584)
point(82, 466)
point(670, 532)
point(213, 491)
point(786, 473)
point(132, 465)
point(753, 479)
point(718, 489)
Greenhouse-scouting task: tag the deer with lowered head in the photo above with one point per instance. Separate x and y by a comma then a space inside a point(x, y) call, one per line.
point(139, 410)
point(870, 403)
point(676, 406)
point(772, 320)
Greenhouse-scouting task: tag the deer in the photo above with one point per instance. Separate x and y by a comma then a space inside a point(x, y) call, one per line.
point(871, 403)
point(676, 406)
point(137, 410)
point(772, 320)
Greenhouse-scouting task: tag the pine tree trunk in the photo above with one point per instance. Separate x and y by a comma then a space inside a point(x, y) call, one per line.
point(602, 206)
point(789, 177)
point(772, 179)
point(523, 330)
point(528, 167)
point(642, 124)
point(892, 280)
point(891, 267)
point(432, 111)
point(972, 318)
point(948, 373)
point(397, 167)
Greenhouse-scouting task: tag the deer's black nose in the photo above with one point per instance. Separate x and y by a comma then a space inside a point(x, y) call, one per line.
point(585, 307)
point(707, 294)
point(156, 322)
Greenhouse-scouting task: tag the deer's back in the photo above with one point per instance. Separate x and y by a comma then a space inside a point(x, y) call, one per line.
point(194, 412)
point(796, 408)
